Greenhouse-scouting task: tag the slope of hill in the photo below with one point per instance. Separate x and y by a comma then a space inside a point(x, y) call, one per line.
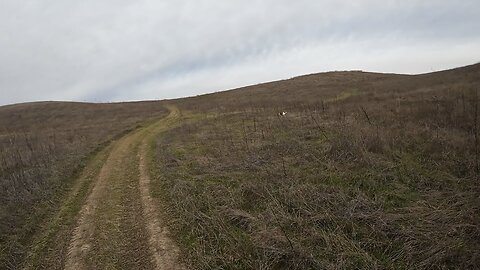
point(366, 170)
point(319, 87)
point(43, 146)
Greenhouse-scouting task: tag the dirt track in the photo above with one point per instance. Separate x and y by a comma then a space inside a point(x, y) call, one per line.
point(119, 226)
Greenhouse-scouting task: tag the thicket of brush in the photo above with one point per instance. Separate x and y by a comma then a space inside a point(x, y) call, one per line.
point(42, 147)
point(375, 173)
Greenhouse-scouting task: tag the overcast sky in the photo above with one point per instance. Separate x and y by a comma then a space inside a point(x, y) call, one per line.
point(116, 50)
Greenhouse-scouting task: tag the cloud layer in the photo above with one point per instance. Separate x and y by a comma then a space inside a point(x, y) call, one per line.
point(114, 50)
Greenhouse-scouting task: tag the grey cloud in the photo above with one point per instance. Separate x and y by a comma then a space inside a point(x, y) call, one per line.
point(129, 50)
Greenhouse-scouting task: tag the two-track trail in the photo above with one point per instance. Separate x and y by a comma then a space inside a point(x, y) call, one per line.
point(118, 226)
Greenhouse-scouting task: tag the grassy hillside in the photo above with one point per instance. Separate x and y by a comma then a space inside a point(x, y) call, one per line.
point(365, 171)
point(43, 146)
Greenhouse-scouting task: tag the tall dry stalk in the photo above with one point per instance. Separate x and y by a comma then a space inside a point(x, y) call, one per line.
point(366, 115)
point(475, 130)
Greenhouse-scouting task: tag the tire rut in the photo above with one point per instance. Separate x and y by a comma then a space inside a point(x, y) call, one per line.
point(81, 242)
point(164, 250)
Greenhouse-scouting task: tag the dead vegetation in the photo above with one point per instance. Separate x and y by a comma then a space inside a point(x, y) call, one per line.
point(367, 171)
point(43, 146)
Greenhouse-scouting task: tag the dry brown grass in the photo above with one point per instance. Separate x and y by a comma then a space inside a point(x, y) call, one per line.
point(42, 148)
point(366, 171)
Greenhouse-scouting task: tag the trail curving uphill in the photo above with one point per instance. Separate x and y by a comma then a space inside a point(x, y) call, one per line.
point(119, 226)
